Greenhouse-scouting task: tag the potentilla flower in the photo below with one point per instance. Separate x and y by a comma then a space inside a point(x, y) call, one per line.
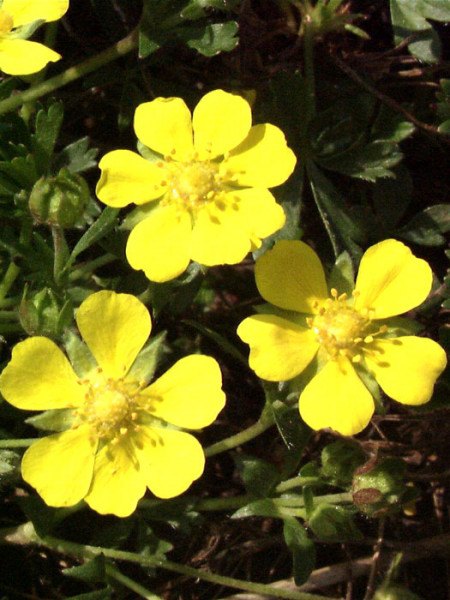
point(19, 56)
point(348, 334)
point(123, 435)
point(206, 199)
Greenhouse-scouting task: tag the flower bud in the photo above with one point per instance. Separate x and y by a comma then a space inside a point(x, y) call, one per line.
point(43, 315)
point(379, 488)
point(59, 201)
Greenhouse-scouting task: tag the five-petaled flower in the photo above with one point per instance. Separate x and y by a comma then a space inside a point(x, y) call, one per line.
point(123, 434)
point(206, 197)
point(346, 334)
point(19, 56)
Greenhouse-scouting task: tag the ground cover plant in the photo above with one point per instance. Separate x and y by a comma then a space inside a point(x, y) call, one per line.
point(224, 297)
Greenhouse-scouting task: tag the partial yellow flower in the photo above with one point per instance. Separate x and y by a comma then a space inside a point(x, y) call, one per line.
point(123, 435)
point(345, 332)
point(19, 56)
point(208, 192)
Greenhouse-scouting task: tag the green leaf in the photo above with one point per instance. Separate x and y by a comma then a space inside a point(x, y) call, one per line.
point(52, 420)
point(334, 524)
point(427, 227)
point(302, 548)
point(391, 198)
point(342, 277)
point(76, 157)
point(92, 571)
point(340, 460)
point(409, 16)
point(79, 354)
point(260, 477)
point(342, 230)
point(145, 365)
point(48, 125)
point(213, 38)
point(101, 227)
point(264, 508)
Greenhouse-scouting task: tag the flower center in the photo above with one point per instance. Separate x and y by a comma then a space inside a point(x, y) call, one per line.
point(191, 185)
point(111, 407)
point(342, 330)
point(6, 23)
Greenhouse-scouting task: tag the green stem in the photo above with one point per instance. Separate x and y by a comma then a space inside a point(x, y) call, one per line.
point(89, 267)
point(72, 74)
point(129, 583)
point(61, 253)
point(25, 535)
point(284, 486)
point(17, 443)
point(8, 279)
point(240, 438)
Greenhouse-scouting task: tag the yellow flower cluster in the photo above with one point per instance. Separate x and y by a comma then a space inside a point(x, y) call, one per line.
point(202, 194)
point(19, 56)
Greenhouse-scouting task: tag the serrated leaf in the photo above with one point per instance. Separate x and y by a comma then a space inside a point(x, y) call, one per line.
point(213, 38)
point(48, 125)
point(76, 157)
point(260, 477)
point(302, 548)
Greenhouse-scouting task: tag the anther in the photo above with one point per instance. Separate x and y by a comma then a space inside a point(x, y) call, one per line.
point(356, 293)
point(99, 370)
point(123, 430)
point(368, 339)
point(334, 292)
point(173, 151)
point(342, 297)
point(160, 164)
point(356, 358)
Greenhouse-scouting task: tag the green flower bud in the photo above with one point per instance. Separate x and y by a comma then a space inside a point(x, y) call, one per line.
point(379, 488)
point(59, 201)
point(340, 460)
point(43, 314)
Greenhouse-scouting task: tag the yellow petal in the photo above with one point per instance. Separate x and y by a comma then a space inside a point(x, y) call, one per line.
point(60, 466)
point(161, 244)
point(263, 159)
point(22, 57)
point(115, 327)
point(255, 211)
point(117, 482)
point(164, 125)
point(221, 121)
point(337, 398)
point(171, 460)
point(391, 279)
point(291, 276)
point(127, 177)
point(279, 349)
point(219, 237)
point(189, 394)
point(27, 11)
point(39, 377)
point(407, 367)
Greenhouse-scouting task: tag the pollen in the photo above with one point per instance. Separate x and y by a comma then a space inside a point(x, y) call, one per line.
point(341, 330)
point(112, 407)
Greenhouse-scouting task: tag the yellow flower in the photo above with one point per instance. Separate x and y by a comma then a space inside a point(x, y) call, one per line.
point(211, 182)
point(123, 434)
point(346, 333)
point(18, 56)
